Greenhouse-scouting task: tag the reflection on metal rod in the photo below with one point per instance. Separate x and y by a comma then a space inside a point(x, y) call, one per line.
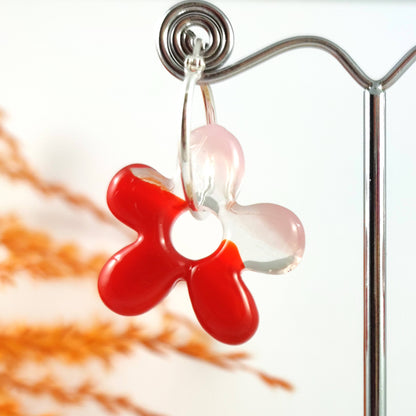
point(374, 254)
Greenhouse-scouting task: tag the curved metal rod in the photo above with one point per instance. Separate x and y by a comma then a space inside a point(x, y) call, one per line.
point(399, 69)
point(315, 42)
point(286, 45)
point(176, 42)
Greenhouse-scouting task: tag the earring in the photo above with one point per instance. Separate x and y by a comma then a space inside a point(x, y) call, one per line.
point(264, 238)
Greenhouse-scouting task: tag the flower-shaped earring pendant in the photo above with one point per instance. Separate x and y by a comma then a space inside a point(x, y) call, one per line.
point(265, 238)
point(262, 237)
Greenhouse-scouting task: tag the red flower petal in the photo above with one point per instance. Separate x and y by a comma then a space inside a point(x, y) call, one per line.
point(222, 302)
point(140, 197)
point(138, 277)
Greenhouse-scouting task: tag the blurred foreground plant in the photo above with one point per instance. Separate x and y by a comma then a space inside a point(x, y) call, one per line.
point(37, 254)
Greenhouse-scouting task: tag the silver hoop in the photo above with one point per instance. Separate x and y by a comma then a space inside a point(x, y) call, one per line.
point(194, 67)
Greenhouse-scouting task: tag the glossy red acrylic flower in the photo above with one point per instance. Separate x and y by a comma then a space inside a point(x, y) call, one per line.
point(140, 275)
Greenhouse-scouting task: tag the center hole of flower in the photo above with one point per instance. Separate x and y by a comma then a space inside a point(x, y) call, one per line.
point(196, 239)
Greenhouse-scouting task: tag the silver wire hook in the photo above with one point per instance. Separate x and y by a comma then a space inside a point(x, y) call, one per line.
point(194, 67)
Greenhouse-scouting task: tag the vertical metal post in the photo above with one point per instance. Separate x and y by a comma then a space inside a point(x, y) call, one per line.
point(374, 253)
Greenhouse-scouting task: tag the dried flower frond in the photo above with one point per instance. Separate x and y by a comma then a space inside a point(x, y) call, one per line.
point(69, 343)
point(15, 167)
point(37, 253)
point(75, 396)
point(197, 346)
point(9, 405)
point(102, 340)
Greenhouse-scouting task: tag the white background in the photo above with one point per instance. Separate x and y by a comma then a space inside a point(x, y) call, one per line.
point(86, 94)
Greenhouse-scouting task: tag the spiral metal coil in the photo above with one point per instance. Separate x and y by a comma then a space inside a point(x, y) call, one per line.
point(176, 38)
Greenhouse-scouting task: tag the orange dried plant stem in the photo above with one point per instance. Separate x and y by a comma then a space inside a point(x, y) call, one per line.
point(9, 405)
point(68, 343)
point(198, 346)
point(78, 395)
point(72, 344)
point(15, 167)
point(37, 253)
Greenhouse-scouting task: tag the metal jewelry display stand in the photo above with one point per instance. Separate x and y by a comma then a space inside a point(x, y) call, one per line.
point(176, 42)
